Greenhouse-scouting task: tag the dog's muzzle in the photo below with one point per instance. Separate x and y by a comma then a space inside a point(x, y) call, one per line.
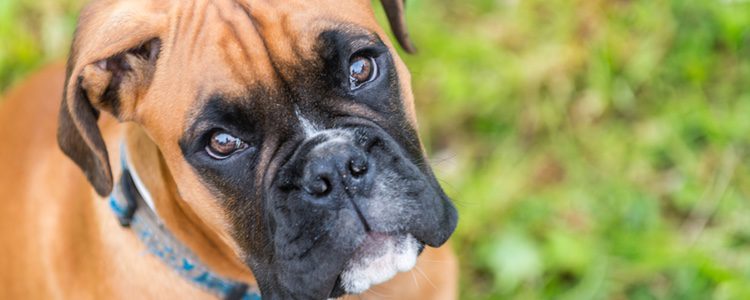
point(353, 207)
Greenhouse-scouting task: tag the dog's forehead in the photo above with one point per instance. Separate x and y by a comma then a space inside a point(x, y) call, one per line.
point(225, 46)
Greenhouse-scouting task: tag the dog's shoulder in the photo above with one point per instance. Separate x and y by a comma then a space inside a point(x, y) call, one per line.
point(30, 108)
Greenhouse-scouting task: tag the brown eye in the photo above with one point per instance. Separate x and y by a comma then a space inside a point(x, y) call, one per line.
point(361, 70)
point(222, 145)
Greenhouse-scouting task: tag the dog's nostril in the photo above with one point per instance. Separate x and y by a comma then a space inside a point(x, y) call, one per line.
point(320, 186)
point(358, 167)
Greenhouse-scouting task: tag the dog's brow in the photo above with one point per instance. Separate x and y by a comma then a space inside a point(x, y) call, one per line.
point(358, 37)
point(364, 40)
point(219, 111)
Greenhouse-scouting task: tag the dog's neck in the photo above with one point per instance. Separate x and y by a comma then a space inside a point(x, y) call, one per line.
point(178, 217)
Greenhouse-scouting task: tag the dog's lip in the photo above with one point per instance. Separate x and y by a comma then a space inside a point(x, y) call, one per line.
point(370, 237)
point(371, 240)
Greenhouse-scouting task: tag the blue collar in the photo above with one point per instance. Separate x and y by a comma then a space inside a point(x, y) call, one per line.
point(132, 211)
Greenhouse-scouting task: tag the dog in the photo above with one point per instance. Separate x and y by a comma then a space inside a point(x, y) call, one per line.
point(222, 148)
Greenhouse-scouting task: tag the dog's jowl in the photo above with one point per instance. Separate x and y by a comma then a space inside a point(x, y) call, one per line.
point(251, 148)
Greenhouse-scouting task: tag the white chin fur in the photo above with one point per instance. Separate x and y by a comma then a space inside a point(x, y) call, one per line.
point(379, 258)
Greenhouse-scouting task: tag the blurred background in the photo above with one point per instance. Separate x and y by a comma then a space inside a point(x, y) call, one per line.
point(595, 149)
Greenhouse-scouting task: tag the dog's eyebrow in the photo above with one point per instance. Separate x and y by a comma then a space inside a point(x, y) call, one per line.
point(198, 122)
point(358, 35)
point(362, 41)
point(348, 37)
point(218, 111)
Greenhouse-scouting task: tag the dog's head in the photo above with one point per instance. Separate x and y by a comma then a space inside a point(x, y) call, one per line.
point(288, 124)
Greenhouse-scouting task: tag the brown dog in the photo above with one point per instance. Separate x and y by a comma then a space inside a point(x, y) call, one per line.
point(274, 141)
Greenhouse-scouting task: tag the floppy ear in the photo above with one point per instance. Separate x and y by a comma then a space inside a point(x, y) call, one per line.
point(111, 65)
point(394, 9)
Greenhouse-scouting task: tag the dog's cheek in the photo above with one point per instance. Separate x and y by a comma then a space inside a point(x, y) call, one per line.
point(394, 202)
point(404, 199)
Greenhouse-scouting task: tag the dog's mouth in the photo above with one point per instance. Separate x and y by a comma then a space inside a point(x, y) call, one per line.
point(378, 258)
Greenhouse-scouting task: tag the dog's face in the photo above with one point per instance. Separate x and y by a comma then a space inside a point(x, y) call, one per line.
point(288, 127)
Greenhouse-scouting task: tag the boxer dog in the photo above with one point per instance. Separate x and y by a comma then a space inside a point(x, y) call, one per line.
point(270, 144)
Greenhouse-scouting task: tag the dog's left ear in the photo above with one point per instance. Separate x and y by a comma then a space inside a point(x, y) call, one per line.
point(111, 66)
point(394, 9)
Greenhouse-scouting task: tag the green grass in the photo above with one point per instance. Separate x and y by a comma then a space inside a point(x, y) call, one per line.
point(595, 149)
point(33, 33)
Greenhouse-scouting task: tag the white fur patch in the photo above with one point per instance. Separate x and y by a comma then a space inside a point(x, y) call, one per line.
point(308, 127)
point(312, 130)
point(379, 259)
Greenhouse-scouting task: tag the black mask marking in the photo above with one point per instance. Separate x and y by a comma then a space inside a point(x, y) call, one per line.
point(298, 241)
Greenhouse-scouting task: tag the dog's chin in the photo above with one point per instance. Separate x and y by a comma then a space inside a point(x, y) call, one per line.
point(379, 258)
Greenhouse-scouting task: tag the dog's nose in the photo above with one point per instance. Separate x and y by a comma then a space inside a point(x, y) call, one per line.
point(333, 168)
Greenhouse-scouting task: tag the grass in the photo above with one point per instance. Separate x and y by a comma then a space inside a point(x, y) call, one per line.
point(595, 149)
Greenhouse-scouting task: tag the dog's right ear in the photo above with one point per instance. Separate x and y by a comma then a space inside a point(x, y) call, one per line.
point(111, 65)
point(394, 9)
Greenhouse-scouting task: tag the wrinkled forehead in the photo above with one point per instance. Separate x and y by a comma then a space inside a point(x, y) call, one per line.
point(228, 46)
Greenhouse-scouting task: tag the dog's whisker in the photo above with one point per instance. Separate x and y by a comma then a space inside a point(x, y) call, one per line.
point(434, 260)
point(378, 294)
point(437, 161)
point(425, 276)
point(414, 277)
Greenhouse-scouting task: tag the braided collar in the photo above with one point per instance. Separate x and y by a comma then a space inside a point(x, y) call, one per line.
point(132, 205)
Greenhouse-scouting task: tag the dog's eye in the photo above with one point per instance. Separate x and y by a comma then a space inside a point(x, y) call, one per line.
point(223, 145)
point(362, 69)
